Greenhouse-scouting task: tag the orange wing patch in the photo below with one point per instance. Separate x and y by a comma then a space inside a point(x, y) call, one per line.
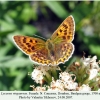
point(65, 31)
point(28, 44)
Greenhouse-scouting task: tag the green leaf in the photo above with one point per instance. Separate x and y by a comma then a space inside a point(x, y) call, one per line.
point(29, 30)
point(57, 8)
point(15, 61)
point(5, 26)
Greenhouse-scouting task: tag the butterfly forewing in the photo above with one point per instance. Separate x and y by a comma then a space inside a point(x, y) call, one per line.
point(65, 31)
point(28, 45)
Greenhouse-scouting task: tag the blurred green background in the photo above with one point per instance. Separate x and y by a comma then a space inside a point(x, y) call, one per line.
point(42, 18)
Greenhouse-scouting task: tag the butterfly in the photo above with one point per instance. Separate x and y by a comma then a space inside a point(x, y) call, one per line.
point(58, 49)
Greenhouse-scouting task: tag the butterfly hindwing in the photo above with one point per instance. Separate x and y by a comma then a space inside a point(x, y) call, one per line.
point(41, 57)
point(64, 52)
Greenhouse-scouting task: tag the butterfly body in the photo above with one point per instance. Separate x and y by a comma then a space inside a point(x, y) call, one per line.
point(55, 50)
point(51, 49)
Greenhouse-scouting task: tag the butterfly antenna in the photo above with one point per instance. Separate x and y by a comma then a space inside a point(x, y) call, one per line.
point(39, 37)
